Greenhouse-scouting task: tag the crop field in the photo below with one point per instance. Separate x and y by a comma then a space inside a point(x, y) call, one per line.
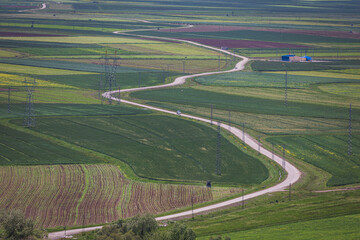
point(276, 79)
point(68, 195)
point(16, 81)
point(328, 152)
point(230, 102)
point(12, 68)
point(150, 144)
point(314, 66)
point(50, 67)
point(17, 147)
point(317, 53)
point(254, 35)
point(278, 213)
point(328, 228)
point(69, 109)
point(123, 80)
point(91, 161)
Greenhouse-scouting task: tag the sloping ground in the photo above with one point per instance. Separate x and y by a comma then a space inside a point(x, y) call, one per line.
point(70, 195)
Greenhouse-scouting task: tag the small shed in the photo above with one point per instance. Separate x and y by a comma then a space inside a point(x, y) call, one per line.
point(286, 58)
point(294, 58)
point(308, 58)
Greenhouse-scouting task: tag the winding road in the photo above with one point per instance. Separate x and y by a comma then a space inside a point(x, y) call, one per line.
point(293, 174)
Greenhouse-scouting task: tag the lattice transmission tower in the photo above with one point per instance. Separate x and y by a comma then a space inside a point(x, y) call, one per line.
point(29, 115)
point(111, 65)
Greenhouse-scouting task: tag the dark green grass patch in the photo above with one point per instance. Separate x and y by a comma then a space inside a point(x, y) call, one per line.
point(328, 152)
point(36, 44)
point(24, 149)
point(123, 80)
point(76, 66)
point(158, 147)
point(297, 66)
point(72, 51)
point(255, 35)
point(18, 110)
point(339, 228)
point(258, 79)
point(238, 103)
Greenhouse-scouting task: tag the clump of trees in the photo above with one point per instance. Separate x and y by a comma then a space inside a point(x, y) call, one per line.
point(14, 225)
point(141, 227)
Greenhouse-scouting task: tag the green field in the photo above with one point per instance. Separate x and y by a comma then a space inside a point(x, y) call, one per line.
point(328, 152)
point(150, 144)
point(194, 97)
point(267, 215)
point(274, 80)
point(20, 148)
point(91, 142)
point(328, 228)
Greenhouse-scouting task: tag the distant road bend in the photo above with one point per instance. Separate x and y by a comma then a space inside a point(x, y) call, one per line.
point(293, 174)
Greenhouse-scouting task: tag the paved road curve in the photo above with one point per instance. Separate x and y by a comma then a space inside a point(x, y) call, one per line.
point(293, 174)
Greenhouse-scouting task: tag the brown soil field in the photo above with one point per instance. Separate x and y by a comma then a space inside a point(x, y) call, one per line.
point(70, 195)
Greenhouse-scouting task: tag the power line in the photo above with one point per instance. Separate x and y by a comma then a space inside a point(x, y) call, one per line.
point(283, 160)
point(9, 100)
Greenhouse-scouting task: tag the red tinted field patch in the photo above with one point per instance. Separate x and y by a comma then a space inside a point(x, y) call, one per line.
point(243, 43)
point(204, 28)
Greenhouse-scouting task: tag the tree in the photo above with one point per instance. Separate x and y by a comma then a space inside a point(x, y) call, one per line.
point(182, 232)
point(140, 225)
point(16, 226)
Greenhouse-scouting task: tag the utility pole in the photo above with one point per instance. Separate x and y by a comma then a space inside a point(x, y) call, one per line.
point(119, 96)
point(192, 204)
point(243, 200)
point(243, 131)
point(211, 116)
point(289, 191)
point(218, 150)
point(139, 79)
point(350, 137)
point(219, 63)
point(9, 100)
point(286, 78)
point(229, 121)
point(272, 144)
point(283, 161)
point(259, 144)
